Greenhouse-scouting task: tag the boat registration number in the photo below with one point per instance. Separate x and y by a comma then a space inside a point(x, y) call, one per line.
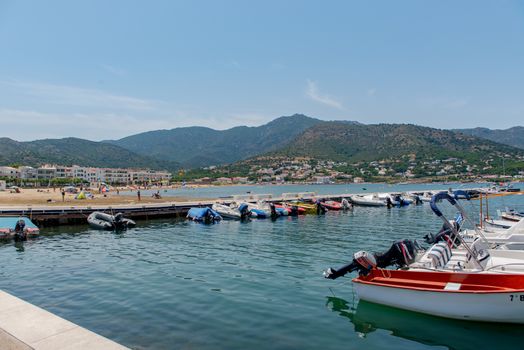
point(513, 297)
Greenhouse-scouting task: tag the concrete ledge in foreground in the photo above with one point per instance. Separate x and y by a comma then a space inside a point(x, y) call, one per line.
point(24, 326)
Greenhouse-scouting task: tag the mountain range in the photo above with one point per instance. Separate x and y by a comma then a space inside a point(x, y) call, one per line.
point(198, 146)
point(296, 135)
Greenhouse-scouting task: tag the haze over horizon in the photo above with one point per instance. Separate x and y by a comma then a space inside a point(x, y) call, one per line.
point(108, 70)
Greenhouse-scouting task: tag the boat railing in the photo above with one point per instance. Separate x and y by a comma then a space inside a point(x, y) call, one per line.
point(456, 235)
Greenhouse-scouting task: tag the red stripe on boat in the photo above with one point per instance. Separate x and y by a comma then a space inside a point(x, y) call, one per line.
point(437, 281)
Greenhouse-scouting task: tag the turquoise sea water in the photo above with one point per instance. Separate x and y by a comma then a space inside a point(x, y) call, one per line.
point(257, 285)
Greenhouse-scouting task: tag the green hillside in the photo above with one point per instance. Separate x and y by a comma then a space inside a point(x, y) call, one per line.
point(71, 151)
point(513, 136)
point(199, 146)
point(345, 142)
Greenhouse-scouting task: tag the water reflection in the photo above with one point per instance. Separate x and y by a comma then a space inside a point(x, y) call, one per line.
point(19, 246)
point(453, 334)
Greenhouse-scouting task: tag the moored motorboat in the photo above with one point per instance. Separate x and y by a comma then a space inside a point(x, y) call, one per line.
point(512, 236)
point(497, 224)
point(263, 210)
point(369, 200)
point(309, 208)
point(17, 227)
point(103, 221)
point(292, 210)
point(469, 296)
point(453, 278)
point(425, 196)
point(205, 215)
point(331, 205)
point(232, 211)
point(511, 215)
point(395, 199)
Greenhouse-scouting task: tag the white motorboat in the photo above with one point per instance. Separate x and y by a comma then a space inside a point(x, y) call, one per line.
point(494, 224)
point(231, 211)
point(396, 199)
point(512, 237)
point(467, 281)
point(426, 196)
point(369, 200)
point(511, 215)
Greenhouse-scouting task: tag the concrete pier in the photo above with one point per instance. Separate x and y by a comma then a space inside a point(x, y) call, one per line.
point(24, 326)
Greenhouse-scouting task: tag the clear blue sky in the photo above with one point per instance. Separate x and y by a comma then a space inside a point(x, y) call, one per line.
point(108, 69)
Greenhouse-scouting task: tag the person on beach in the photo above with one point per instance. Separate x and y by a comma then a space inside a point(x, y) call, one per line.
point(63, 195)
point(138, 194)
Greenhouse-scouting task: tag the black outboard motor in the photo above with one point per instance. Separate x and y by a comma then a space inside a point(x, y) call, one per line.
point(20, 234)
point(346, 205)
point(274, 213)
point(446, 234)
point(119, 221)
point(294, 211)
point(320, 208)
point(400, 200)
point(244, 211)
point(208, 218)
point(389, 203)
point(401, 253)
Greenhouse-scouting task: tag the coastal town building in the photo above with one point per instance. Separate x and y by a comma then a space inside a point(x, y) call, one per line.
point(87, 174)
point(7, 171)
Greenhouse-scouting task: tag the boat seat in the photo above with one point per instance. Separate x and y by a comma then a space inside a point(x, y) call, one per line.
point(436, 257)
point(458, 260)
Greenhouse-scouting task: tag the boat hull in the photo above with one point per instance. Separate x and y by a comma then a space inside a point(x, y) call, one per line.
point(307, 208)
point(227, 212)
point(368, 203)
point(332, 205)
point(476, 303)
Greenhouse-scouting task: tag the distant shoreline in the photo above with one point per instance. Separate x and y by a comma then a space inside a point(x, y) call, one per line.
point(53, 197)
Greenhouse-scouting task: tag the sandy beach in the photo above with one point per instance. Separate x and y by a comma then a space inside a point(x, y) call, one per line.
point(54, 197)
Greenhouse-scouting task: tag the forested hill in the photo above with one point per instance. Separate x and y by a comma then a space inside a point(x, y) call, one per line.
point(69, 151)
point(513, 136)
point(358, 142)
point(200, 146)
